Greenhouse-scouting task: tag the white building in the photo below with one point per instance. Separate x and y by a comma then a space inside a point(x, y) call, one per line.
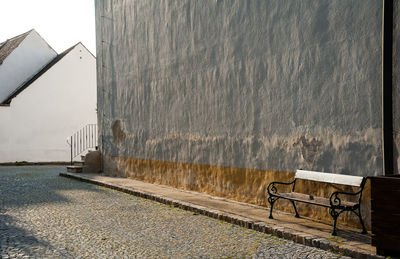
point(45, 103)
point(20, 59)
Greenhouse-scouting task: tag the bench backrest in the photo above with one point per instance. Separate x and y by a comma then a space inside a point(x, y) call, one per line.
point(329, 178)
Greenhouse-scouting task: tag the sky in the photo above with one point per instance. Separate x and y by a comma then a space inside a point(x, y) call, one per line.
point(62, 23)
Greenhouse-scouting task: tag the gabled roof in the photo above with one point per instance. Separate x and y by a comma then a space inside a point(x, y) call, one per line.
point(9, 45)
point(39, 74)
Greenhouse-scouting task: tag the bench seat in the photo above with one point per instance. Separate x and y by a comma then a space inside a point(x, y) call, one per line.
point(319, 201)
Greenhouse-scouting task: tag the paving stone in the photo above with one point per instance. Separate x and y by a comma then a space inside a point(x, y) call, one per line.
point(43, 215)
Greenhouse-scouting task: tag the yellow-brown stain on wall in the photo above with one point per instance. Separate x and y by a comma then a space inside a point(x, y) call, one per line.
point(240, 184)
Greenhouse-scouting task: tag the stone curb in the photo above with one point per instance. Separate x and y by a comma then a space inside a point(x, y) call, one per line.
point(263, 227)
point(24, 163)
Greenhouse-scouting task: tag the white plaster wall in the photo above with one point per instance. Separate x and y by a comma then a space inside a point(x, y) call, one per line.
point(24, 62)
point(35, 127)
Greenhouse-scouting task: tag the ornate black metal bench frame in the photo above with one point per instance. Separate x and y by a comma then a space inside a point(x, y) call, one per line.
point(335, 203)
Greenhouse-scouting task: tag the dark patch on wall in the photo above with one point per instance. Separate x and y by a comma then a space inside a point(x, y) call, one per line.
point(309, 148)
point(118, 134)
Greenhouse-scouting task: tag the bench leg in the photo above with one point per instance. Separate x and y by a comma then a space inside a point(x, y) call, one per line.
point(295, 210)
point(364, 231)
point(334, 215)
point(271, 202)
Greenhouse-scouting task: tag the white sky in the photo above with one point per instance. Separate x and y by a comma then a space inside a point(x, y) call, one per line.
point(62, 23)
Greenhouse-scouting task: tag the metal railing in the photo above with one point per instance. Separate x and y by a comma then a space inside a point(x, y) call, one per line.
point(82, 140)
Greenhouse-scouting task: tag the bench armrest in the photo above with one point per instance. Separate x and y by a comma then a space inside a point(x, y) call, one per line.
point(336, 201)
point(272, 188)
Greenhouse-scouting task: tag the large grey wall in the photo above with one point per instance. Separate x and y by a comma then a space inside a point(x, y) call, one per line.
point(263, 84)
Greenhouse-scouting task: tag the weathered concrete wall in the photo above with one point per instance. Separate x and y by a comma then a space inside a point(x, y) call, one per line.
point(257, 84)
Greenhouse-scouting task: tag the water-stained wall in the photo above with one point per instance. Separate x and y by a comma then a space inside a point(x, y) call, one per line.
point(270, 85)
point(257, 84)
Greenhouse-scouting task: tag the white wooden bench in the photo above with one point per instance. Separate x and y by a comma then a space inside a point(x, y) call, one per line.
point(336, 204)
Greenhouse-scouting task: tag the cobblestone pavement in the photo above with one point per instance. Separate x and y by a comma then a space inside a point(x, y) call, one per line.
point(43, 215)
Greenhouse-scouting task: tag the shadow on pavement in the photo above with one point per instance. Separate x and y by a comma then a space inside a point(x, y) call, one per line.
point(24, 186)
point(30, 185)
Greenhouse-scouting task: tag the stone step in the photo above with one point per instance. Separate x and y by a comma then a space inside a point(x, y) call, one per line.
point(74, 169)
point(79, 163)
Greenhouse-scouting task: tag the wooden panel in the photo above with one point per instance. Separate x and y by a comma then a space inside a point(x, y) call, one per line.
point(387, 206)
point(380, 222)
point(387, 230)
point(386, 241)
point(385, 214)
point(329, 178)
point(388, 252)
point(391, 182)
point(386, 194)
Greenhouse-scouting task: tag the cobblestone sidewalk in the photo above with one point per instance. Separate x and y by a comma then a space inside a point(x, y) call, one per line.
point(43, 215)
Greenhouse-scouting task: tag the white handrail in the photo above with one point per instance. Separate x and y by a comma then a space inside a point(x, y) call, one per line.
point(82, 140)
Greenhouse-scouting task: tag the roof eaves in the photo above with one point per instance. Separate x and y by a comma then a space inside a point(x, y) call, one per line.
point(3, 44)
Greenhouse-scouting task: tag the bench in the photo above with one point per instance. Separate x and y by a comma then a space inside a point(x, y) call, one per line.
point(336, 204)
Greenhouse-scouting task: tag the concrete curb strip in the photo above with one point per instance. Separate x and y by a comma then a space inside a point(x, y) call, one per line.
point(282, 232)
